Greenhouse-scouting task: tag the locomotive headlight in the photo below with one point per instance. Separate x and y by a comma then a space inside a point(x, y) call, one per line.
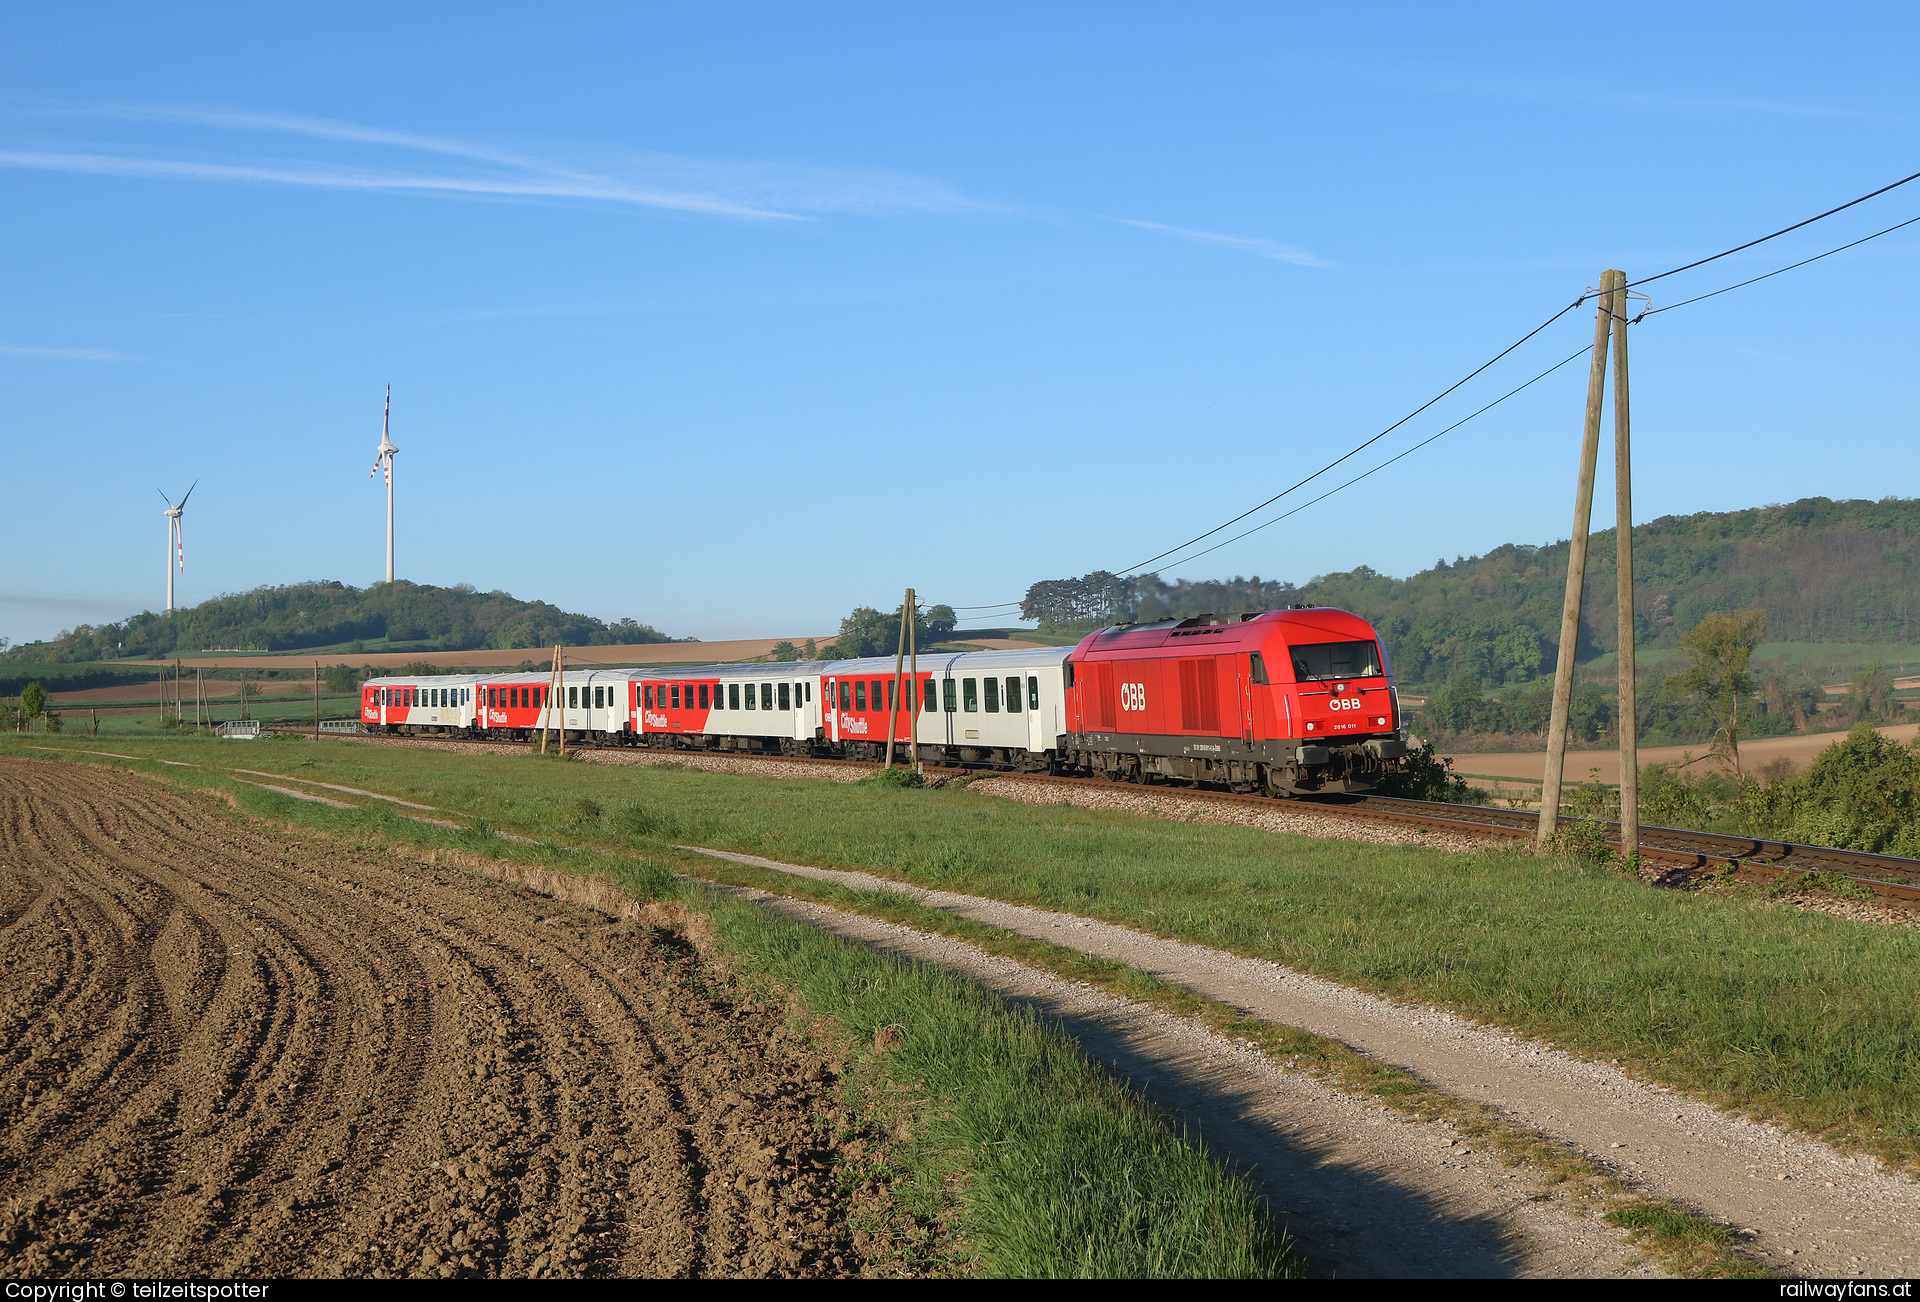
point(1382, 721)
point(1311, 727)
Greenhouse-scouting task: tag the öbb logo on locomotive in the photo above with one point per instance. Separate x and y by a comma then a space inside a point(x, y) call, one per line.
point(1245, 702)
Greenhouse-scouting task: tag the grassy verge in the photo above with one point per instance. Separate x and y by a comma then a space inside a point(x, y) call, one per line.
point(1052, 1167)
point(1791, 1015)
point(1690, 1245)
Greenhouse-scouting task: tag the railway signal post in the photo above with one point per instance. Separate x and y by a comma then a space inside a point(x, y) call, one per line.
point(1610, 282)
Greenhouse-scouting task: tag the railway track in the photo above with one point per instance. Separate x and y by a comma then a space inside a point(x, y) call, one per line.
point(1684, 855)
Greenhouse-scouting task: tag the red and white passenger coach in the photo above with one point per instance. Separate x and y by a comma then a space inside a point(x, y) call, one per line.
point(1286, 702)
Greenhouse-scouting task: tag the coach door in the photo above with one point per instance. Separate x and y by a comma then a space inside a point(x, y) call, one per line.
point(830, 709)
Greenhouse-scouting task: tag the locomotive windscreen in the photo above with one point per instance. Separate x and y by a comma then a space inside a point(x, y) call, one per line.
point(1328, 660)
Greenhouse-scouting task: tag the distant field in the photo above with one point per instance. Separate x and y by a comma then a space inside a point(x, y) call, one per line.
point(1800, 747)
point(1815, 658)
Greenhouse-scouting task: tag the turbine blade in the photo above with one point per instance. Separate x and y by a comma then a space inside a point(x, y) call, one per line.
point(183, 501)
point(166, 499)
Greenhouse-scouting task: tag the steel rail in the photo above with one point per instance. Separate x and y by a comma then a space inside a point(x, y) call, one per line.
point(1687, 855)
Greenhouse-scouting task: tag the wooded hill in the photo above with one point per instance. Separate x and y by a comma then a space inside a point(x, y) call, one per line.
point(1824, 571)
point(400, 615)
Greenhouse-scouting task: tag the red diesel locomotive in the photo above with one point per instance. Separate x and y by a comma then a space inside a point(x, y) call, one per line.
point(1287, 702)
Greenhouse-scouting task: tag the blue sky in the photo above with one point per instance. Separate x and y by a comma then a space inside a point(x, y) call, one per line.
point(729, 318)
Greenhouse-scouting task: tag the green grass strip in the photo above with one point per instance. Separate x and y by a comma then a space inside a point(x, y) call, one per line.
point(1062, 1172)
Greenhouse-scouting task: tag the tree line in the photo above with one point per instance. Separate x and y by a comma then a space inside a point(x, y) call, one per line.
point(327, 613)
point(1823, 571)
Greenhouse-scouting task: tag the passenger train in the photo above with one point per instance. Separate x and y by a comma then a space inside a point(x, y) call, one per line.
point(1286, 702)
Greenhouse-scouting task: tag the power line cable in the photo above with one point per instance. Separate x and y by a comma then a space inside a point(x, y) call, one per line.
point(1784, 230)
point(1362, 447)
point(1771, 274)
point(1577, 353)
point(1503, 353)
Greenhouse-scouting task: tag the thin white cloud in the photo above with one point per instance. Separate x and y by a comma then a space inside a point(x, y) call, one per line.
point(69, 354)
point(630, 178)
point(1244, 243)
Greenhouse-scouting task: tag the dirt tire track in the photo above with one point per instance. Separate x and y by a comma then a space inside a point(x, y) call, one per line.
point(226, 1052)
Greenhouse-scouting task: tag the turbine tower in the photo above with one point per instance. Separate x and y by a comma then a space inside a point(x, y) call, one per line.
point(176, 542)
point(383, 460)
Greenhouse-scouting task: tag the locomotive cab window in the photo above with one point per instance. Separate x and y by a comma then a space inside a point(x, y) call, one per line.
point(1325, 661)
point(1259, 669)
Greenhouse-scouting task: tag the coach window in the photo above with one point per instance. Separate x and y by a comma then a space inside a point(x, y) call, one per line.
point(846, 694)
point(969, 695)
point(766, 696)
point(733, 696)
point(786, 701)
point(1033, 693)
point(1013, 696)
point(948, 688)
point(809, 687)
point(750, 694)
point(993, 695)
point(932, 702)
point(703, 695)
point(859, 694)
point(573, 698)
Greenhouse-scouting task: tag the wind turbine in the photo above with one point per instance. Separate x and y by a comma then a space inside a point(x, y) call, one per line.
point(176, 543)
point(383, 460)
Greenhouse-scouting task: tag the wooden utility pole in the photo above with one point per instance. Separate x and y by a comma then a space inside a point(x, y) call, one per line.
point(1623, 533)
point(1576, 566)
point(913, 671)
point(316, 700)
point(553, 702)
point(179, 709)
point(899, 666)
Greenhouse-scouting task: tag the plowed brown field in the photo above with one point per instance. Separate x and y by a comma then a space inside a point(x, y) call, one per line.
point(225, 1052)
